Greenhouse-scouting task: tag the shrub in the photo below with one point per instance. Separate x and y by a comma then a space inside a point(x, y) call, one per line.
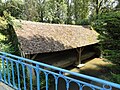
point(115, 78)
point(8, 39)
point(108, 25)
point(85, 22)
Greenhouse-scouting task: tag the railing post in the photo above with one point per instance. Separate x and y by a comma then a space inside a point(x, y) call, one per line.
point(1, 70)
point(38, 77)
point(80, 86)
point(67, 85)
point(0, 74)
point(46, 79)
point(13, 77)
point(18, 74)
point(3, 66)
point(8, 72)
point(30, 72)
point(56, 83)
point(23, 69)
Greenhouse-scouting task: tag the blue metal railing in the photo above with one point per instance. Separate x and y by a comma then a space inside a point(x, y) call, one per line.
point(24, 74)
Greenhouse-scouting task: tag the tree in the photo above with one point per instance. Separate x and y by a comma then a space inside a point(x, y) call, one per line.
point(14, 7)
point(56, 11)
point(108, 25)
point(81, 10)
point(118, 5)
point(60, 15)
point(49, 11)
point(8, 39)
point(101, 6)
point(30, 10)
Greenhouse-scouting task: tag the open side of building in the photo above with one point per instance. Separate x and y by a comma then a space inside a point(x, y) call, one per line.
point(46, 42)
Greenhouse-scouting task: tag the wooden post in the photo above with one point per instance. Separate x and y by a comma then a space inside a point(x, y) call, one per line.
point(34, 56)
point(27, 56)
point(79, 55)
point(79, 51)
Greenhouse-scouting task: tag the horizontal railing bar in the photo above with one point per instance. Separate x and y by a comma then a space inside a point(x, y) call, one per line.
point(63, 70)
point(9, 59)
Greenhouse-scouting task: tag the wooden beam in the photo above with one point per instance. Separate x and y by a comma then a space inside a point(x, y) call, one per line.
point(34, 56)
point(27, 56)
point(79, 51)
point(21, 51)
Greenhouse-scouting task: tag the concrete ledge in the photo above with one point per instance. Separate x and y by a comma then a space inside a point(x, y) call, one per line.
point(5, 87)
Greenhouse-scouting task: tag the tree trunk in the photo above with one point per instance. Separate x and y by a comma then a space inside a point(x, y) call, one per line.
point(97, 7)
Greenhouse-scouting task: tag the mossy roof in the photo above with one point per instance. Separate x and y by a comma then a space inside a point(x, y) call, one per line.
point(37, 37)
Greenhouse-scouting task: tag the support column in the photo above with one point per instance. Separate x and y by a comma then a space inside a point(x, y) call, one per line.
point(79, 52)
point(34, 56)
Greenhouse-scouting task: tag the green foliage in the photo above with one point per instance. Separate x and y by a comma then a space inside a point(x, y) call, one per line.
point(8, 39)
point(115, 78)
point(118, 5)
point(56, 11)
point(102, 6)
point(108, 25)
point(14, 7)
point(6, 48)
point(3, 23)
point(85, 22)
point(81, 10)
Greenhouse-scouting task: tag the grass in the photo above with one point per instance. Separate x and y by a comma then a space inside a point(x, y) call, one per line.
point(112, 73)
point(109, 72)
point(99, 68)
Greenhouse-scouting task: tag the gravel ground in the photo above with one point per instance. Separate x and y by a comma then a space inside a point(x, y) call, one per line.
point(5, 87)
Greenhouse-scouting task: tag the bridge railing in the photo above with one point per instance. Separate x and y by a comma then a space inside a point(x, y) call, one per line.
point(24, 74)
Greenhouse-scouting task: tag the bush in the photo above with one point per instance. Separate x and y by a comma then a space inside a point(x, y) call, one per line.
point(108, 25)
point(85, 22)
point(8, 38)
point(115, 78)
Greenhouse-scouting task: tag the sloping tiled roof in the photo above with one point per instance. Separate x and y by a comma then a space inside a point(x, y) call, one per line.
point(36, 37)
